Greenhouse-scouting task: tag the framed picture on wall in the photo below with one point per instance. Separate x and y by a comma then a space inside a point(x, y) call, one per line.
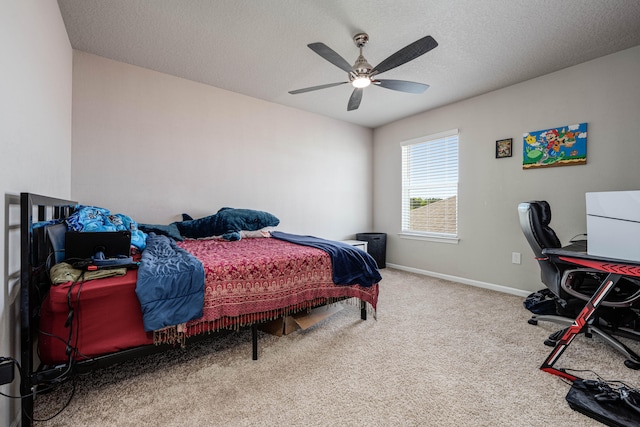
point(561, 146)
point(503, 148)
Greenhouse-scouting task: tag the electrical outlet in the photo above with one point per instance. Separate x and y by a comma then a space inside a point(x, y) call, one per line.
point(515, 257)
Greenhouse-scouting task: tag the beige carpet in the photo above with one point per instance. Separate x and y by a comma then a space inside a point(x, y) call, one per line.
point(439, 354)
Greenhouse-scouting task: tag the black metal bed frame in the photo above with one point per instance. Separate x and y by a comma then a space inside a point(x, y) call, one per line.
point(34, 284)
point(33, 254)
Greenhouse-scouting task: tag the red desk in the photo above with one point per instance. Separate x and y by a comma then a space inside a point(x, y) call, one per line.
point(616, 269)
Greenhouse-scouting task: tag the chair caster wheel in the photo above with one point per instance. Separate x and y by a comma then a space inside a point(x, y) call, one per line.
point(631, 364)
point(532, 321)
point(550, 343)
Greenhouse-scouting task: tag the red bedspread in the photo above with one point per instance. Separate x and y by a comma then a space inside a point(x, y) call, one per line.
point(262, 278)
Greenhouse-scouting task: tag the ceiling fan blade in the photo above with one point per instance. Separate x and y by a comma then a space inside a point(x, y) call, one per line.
point(354, 100)
point(330, 55)
point(406, 54)
point(402, 85)
point(309, 89)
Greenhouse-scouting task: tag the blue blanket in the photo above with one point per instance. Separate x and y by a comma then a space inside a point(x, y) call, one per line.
point(170, 284)
point(351, 266)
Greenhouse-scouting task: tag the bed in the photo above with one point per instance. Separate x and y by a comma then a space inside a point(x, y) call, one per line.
point(76, 326)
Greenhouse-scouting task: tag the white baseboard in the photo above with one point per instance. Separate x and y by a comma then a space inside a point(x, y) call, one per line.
point(476, 283)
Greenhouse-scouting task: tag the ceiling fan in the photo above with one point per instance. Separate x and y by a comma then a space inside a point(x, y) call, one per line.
point(362, 74)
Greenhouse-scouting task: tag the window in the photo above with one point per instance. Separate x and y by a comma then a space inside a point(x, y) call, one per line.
point(430, 187)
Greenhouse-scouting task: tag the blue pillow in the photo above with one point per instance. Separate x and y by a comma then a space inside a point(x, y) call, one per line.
point(225, 221)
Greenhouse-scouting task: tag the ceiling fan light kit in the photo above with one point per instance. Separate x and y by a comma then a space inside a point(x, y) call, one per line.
point(361, 82)
point(362, 74)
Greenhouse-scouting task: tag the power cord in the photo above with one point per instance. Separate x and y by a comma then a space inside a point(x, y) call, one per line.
point(71, 351)
point(36, 391)
point(578, 238)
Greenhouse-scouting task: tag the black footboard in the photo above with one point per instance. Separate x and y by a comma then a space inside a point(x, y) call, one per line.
point(34, 283)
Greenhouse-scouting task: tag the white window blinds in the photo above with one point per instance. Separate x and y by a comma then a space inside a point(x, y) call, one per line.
point(430, 185)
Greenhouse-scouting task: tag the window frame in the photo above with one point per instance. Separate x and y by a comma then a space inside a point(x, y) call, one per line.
point(433, 236)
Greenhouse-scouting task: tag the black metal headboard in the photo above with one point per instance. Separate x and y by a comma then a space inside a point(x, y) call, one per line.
point(34, 282)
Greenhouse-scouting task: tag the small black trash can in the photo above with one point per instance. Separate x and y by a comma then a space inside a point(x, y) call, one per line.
point(376, 246)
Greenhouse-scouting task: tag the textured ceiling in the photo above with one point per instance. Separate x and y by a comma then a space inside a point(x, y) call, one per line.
point(259, 47)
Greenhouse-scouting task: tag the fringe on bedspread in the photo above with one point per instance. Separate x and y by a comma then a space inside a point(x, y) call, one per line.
point(178, 334)
point(170, 335)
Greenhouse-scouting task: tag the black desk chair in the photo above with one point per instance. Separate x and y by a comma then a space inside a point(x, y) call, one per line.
point(574, 286)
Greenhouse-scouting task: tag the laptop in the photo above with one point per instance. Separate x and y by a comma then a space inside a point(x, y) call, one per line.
point(85, 244)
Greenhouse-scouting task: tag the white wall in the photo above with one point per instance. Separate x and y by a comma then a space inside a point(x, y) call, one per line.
point(152, 146)
point(35, 141)
point(605, 93)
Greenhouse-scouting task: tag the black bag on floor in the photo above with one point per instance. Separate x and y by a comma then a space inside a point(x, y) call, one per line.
point(611, 406)
point(541, 302)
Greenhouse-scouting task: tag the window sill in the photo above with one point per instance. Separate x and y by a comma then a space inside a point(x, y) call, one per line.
point(430, 238)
